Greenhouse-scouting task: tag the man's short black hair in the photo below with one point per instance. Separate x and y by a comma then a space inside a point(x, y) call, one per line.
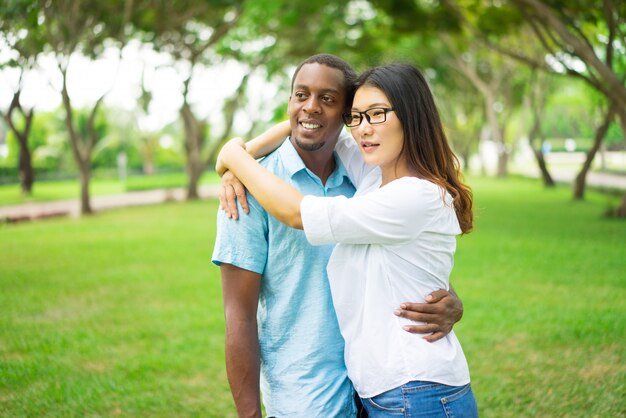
point(333, 61)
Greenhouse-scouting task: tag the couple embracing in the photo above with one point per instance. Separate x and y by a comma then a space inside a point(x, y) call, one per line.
point(338, 234)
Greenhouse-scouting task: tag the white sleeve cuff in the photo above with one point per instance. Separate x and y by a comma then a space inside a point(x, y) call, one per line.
point(316, 220)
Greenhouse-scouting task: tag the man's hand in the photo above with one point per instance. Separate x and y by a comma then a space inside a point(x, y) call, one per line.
point(440, 312)
point(231, 190)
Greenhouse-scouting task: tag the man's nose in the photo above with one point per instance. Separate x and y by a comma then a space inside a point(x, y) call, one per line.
point(312, 105)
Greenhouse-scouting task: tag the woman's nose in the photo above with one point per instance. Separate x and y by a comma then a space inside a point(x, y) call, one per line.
point(364, 127)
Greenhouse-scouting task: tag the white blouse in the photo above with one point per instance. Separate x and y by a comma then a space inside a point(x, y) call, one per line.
point(396, 244)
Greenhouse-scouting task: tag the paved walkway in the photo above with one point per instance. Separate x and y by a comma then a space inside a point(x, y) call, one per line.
point(605, 180)
point(39, 210)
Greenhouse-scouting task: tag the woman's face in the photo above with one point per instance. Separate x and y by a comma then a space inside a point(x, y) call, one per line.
point(381, 143)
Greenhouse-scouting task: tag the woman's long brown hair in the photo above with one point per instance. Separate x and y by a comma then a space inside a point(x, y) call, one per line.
point(425, 144)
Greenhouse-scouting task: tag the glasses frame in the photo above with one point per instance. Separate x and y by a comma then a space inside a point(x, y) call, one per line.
point(348, 116)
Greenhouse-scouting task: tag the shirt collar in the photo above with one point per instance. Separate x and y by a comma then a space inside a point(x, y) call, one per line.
point(294, 164)
point(290, 158)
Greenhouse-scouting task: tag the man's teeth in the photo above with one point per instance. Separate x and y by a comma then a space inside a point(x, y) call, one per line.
point(311, 125)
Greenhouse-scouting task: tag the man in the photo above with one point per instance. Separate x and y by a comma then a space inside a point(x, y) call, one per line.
point(281, 327)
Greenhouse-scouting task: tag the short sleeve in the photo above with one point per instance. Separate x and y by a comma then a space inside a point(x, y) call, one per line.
point(393, 214)
point(350, 155)
point(242, 243)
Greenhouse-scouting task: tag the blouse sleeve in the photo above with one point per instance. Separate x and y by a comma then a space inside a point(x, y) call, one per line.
point(393, 214)
point(350, 155)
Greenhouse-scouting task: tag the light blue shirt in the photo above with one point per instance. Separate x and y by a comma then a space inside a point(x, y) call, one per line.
point(303, 373)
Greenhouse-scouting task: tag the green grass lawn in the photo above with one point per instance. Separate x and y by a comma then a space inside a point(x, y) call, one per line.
point(10, 194)
point(120, 314)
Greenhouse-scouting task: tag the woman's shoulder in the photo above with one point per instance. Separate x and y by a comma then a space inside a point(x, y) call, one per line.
point(418, 192)
point(415, 184)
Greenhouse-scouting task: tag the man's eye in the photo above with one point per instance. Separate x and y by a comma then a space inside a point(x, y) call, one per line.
point(328, 99)
point(300, 95)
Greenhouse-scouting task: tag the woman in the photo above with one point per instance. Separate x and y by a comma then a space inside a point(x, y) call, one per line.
point(396, 238)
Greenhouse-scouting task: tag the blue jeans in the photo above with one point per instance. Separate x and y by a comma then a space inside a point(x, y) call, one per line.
point(423, 399)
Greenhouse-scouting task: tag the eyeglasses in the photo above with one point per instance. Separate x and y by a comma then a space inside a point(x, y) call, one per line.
point(374, 116)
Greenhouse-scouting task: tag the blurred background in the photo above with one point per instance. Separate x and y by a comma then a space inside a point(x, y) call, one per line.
point(120, 314)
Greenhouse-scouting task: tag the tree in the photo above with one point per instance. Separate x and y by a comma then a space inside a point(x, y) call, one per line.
point(190, 31)
point(71, 27)
point(492, 77)
point(439, 43)
point(535, 104)
point(18, 18)
point(593, 33)
point(22, 134)
point(584, 40)
point(581, 179)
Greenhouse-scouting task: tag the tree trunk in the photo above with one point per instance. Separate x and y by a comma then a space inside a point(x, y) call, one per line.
point(484, 137)
point(503, 161)
point(148, 167)
point(620, 212)
point(147, 154)
point(231, 105)
point(581, 178)
point(535, 103)
point(548, 181)
point(25, 165)
point(194, 142)
point(82, 146)
point(496, 134)
point(85, 198)
point(193, 179)
point(465, 158)
point(27, 176)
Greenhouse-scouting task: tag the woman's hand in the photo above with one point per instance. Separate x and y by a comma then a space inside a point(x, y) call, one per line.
point(220, 166)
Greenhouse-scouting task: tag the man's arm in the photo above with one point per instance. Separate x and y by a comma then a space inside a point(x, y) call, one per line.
point(240, 290)
point(441, 311)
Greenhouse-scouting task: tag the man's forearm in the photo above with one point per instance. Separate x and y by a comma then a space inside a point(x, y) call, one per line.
point(243, 367)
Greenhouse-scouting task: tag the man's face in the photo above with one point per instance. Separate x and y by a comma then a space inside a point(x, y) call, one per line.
point(316, 104)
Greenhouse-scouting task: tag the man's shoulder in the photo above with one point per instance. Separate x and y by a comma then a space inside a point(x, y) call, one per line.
point(273, 161)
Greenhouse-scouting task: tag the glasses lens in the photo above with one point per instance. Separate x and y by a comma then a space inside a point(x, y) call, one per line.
point(352, 119)
point(376, 115)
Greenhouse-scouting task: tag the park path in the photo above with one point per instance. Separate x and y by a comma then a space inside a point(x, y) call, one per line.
point(71, 207)
point(596, 179)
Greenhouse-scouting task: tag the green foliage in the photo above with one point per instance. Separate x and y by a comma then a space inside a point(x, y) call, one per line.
point(575, 111)
point(109, 315)
point(496, 21)
point(48, 143)
point(411, 16)
point(271, 36)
